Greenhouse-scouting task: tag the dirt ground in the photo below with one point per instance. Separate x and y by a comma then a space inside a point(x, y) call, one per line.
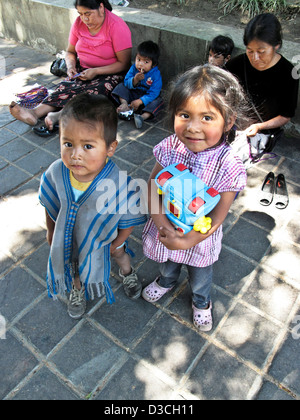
point(209, 11)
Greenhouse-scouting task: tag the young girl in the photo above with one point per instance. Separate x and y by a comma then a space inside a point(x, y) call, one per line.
point(205, 103)
point(90, 206)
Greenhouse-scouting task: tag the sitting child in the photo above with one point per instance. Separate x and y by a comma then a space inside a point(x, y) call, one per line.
point(220, 50)
point(139, 95)
point(87, 221)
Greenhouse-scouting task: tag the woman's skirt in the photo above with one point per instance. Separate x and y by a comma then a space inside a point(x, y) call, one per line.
point(66, 90)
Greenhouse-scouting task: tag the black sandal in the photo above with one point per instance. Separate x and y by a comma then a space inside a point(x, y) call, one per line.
point(267, 190)
point(281, 197)
point(44, 131)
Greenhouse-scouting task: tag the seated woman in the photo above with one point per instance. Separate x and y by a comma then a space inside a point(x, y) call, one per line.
point(101, 41)
point(266, 76)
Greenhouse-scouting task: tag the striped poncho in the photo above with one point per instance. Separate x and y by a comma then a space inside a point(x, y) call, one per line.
point(85, 229)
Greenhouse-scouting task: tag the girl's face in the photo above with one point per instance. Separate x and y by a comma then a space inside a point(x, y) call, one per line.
point(199, 125)
point(261, 55)
point(83, 149)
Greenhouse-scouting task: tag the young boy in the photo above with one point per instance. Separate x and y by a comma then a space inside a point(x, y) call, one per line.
point(220, 50)
point(139, 96)
point(88, 204)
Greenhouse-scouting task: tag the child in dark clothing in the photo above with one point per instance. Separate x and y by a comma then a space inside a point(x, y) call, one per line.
point(139, 95)
point(220, 50)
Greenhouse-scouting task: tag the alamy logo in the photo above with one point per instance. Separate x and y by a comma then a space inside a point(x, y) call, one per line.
point(296, 329)
point(296, 68)
point(2, 66)
point(2, 328)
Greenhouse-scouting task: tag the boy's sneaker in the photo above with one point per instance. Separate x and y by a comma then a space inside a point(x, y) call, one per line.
point(132, 285)
point(77, 303)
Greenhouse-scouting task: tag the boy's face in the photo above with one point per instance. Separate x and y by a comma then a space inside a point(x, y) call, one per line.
point(217, 59)
point(143, 64)
point(83, 148)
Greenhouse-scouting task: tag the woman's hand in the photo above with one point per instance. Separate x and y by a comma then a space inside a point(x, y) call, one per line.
point(88, 74)
point(253, 130)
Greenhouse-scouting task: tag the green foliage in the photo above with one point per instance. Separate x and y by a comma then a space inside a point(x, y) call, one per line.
point(253, 7)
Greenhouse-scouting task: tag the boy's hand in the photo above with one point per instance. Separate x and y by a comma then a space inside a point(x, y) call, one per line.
point(138, 77)
point(136, 104)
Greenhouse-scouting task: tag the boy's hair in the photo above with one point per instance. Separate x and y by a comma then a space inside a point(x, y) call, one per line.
point(95, 109)
point(222, 45)
point(150, 50)
point(220, 88)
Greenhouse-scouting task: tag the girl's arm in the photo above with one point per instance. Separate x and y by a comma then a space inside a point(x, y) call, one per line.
point(50, 224)
point(155, 202)
point(173, 239)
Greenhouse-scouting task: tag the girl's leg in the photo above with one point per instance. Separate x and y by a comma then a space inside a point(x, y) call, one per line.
point(169, 274)
point(29, 116)
point(200, 281)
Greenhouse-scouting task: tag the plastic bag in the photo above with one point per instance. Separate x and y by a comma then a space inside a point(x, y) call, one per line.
point(59, 67)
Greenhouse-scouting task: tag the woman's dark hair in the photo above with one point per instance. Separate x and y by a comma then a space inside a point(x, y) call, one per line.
point(150, 50)
point(265, 27)
point(93, 4)
point(94, 109)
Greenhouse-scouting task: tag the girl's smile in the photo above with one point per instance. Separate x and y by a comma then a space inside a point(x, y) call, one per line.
point(199, 125)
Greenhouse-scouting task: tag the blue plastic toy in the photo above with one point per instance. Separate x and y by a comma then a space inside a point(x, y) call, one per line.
point(186, 198)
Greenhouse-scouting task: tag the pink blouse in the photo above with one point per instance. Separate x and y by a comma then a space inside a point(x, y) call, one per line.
point(100, 49)
point(218, 168)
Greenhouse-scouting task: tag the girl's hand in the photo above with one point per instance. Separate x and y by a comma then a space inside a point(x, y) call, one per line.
point(171, 238)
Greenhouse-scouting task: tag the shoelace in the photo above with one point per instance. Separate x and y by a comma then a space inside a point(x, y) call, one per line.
point(77, 296)
point(130, 280)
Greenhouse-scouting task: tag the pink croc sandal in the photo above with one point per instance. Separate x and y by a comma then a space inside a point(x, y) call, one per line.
point(153, 292)
point(203, 318)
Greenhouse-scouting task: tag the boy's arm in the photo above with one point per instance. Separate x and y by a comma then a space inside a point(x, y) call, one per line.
point(154, 91)
point(123, 234)
point(50, 224)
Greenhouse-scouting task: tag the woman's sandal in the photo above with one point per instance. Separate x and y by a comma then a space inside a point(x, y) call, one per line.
point(267, 190)
point(44, 131)
point(281, 197)
point(153, 292)
point(202, 318)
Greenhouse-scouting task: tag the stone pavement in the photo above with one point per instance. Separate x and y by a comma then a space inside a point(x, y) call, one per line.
point(137, 350)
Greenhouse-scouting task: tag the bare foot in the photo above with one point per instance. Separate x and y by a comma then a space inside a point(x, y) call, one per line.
point(23, 114)
point(52, 119)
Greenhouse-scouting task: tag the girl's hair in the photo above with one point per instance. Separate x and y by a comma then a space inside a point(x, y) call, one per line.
point(150, 50)
point(94, 109)
point(93, 4)
point(265, 27)
point(220, 88)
